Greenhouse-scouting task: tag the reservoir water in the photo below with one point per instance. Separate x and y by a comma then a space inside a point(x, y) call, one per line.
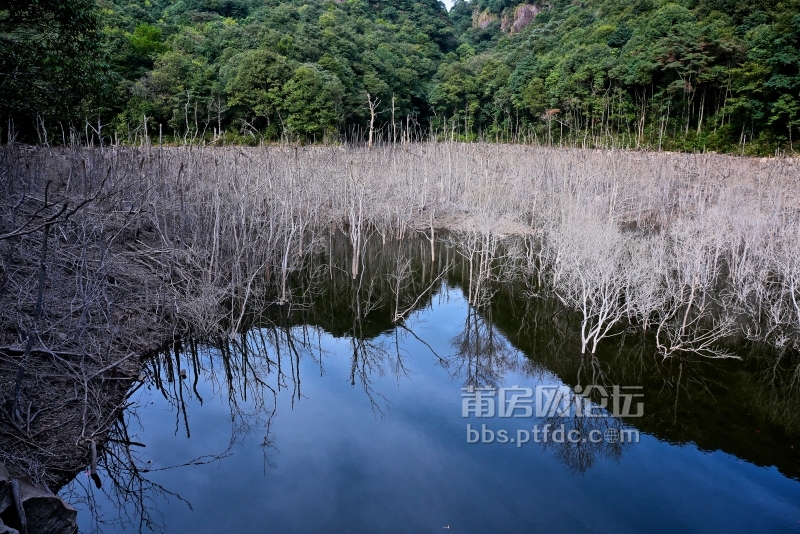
point(331, 417)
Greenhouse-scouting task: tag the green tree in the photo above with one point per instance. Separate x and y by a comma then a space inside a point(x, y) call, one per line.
point(255, 82)
point(51, 65)
point(313, 99)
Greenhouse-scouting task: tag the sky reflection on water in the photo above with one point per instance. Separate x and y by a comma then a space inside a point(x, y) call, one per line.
point(340, 462)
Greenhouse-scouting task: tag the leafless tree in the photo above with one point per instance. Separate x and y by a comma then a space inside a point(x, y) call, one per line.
point(591, 271)
point(144, 244)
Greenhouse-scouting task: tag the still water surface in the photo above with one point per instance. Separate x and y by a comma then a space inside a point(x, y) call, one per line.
point(366, 434)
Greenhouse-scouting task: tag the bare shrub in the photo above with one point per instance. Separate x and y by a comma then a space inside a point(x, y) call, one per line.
point(136, 246)
point(694, 315)
point(590, 272)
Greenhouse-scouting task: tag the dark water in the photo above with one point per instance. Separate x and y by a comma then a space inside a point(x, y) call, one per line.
point(330, 419)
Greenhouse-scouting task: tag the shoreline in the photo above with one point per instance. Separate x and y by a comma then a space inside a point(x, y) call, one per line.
point(171, 239)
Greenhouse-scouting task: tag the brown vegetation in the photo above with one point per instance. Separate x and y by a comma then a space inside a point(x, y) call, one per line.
point(108, 253)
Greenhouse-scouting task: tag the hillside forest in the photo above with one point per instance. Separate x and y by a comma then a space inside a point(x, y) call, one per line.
point(692, 75)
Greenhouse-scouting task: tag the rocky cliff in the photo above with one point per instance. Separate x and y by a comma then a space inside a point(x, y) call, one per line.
point(511, 21)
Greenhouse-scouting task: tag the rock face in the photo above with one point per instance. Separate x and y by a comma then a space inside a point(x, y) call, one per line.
point(524, 14)
point(483, 19)
point(511, 22)
point(45, 512)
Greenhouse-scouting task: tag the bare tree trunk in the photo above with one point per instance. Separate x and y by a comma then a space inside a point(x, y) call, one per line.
point(373, 106)
point(33, 332)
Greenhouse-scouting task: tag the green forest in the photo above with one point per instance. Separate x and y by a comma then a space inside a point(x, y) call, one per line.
point(693, 75)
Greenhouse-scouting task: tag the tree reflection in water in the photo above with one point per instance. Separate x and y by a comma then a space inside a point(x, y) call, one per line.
point(504, 332)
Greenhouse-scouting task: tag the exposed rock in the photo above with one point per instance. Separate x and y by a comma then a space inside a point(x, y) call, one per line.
point(483, 19)
point(505, 22)
point(524, 14)
point(44, 511)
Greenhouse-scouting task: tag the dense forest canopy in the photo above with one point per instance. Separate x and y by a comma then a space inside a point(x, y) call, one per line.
point(684, 74)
